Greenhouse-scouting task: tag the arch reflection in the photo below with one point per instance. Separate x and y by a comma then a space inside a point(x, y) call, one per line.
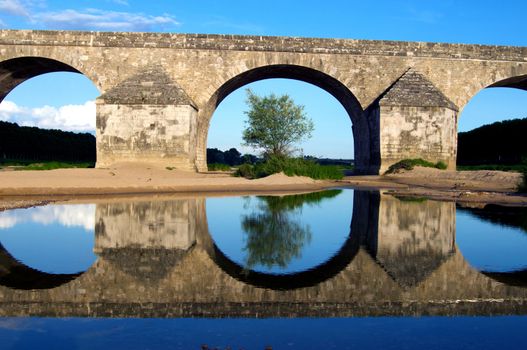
point(493, 239)
point(45, 247)
point(413, 243)
point(16, 275)
point(276, 234)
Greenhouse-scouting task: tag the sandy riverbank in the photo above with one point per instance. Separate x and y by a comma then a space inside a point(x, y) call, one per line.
point(26, 188)
point(467, 187)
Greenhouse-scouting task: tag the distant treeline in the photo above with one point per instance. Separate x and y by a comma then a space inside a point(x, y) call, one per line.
point(31, 143)
point(233, 157)
point(230, 157)
point(498, 143)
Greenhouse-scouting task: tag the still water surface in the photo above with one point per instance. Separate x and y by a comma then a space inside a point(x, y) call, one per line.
point(326, 261)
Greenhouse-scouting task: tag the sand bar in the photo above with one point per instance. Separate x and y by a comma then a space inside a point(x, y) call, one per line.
point(26, 188)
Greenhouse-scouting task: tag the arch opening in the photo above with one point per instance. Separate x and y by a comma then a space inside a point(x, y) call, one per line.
point(492, 126)
point(360, 128)
point(52, 95)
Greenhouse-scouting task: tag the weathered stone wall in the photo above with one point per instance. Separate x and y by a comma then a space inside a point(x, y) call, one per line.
point(147, 225)
point(202, 66)
point(429, 133)
point(413, 119)
point(164, 135)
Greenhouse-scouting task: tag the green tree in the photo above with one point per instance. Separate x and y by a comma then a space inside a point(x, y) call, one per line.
point(275, 124)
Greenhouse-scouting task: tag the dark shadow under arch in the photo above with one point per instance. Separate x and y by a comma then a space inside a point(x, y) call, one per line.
point(17, 70)
point(513, 278)
point(14, 274)
point(517, 82)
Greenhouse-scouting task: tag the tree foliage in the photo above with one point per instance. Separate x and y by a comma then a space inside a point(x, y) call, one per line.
point(31, 143)
point(275, 124)
point(498, 143)
point(230, 157)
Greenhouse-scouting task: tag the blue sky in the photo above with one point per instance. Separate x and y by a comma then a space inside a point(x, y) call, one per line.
point(66, 100)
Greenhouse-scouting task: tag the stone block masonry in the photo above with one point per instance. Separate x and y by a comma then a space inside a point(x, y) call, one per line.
point(159, 91)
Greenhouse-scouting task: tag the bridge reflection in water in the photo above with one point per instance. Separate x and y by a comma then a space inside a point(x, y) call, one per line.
point(157, 258)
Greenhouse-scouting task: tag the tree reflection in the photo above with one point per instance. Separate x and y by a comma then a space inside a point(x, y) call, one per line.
point(275, 232)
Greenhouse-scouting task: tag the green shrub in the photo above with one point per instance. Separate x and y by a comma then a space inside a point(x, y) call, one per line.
point(441, 165)
point(218, 167)
point(409, 164)
point(290, 167)
point(56, 165)
point(246, 171)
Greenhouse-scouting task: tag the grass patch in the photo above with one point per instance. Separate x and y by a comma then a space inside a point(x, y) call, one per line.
point(409, 164)
point(410, 199)
point(218, 167)
point(55, 165)
point(290, 167)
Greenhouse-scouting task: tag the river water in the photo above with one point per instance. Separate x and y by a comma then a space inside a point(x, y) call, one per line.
point(339, 269)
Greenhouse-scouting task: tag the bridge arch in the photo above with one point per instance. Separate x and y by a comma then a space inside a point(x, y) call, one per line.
point(330, 84)
point(515, 80)
point(55, 92)
point(17, 70)
point(495, 100)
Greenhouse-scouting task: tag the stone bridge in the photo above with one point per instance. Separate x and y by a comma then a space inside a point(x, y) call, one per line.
point(157, 258)
point(159, 91)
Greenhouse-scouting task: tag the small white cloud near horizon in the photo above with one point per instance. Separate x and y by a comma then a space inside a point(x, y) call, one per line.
point(76, 118)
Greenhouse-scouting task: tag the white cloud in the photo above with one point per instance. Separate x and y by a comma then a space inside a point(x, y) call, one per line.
point(82, 215)
point(77, 118)
point(13, 7)
point(7, 221)
point(95, 19)
point(8, 109)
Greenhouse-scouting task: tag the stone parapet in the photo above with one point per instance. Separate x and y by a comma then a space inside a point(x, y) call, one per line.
point(262, 43)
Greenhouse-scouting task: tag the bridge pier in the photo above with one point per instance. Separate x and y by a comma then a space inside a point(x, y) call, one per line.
point(413, 119)
point(147, 118)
